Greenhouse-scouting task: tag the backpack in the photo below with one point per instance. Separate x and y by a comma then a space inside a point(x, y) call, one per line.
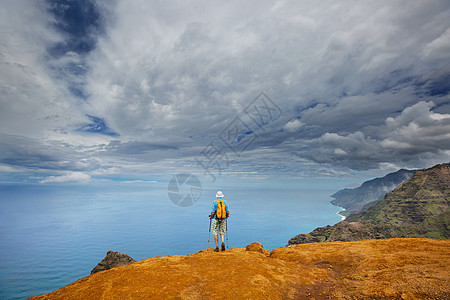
point(221, 212)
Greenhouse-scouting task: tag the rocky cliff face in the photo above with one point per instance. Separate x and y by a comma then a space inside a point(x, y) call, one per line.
point(419, 207)
point(357, 199)
point(111, 260)
point(369, 269)
point(345, 232)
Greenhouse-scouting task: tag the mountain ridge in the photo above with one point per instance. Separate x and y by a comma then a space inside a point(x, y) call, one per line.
point(370, 191)
point(419, 207)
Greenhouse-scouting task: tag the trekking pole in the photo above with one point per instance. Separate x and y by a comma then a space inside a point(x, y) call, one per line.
point(226, 230)
point(209, 234)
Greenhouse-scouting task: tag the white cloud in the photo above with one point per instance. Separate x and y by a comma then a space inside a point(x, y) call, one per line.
point(417, 132)
point(293, 126)
point(339, 151)
point(419, 128)
point(392, 144)
point(32, 101)
point(439, 48)
point(389, 167)
point(78, 177)
point(137, 181)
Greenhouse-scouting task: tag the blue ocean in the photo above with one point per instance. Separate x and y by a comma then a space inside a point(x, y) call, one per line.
point(52, 235)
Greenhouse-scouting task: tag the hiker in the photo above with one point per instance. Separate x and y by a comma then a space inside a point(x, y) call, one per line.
point(219, 215)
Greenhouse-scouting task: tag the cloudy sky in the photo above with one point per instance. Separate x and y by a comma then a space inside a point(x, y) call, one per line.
point(140, 90)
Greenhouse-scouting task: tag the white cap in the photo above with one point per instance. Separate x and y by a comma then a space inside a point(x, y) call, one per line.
point(219, 194)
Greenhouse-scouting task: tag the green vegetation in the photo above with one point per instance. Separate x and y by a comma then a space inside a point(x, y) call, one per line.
point(360, 198)
point(419, 207)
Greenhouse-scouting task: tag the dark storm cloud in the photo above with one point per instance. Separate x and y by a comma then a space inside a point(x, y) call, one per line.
point(360, 85)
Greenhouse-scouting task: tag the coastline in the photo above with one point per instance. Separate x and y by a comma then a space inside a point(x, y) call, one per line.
point(339, 213)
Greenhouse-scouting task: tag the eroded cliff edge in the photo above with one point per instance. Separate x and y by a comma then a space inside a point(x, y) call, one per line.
point(391, 268)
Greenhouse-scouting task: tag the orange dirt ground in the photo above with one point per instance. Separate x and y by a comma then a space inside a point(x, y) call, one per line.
point(368, 269)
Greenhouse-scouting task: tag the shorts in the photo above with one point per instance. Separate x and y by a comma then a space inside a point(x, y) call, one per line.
point(218, 227)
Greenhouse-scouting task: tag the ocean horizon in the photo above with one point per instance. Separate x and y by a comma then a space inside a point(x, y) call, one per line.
point(53, 235)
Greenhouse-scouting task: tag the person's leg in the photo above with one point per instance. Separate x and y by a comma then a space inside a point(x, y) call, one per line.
point(222, 230)
point(215, 231)
point(223, 244)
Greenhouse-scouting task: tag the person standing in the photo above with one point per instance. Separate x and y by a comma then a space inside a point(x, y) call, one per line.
point(219, 215)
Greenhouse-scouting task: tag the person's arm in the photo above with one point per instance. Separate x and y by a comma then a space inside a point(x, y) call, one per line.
point(226, 209)
point(213, 210)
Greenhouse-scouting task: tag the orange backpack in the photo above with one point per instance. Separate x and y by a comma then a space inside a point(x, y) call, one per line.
point(221, 212)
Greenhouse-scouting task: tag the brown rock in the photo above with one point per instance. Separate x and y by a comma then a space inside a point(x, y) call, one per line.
point(111, 260)
point(257, 247)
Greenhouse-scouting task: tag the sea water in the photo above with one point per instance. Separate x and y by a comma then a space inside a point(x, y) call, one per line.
point(50, 236)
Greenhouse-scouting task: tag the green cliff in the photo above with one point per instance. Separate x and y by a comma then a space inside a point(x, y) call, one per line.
point(419, 207)
point(366, 195)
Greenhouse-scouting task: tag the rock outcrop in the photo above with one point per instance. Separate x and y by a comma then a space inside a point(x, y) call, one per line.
point(111, 260)
point(419, 207)
point(257, 247)
point(369, 269)
point(345, 232)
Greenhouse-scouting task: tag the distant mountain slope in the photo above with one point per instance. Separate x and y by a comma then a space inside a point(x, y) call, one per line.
point(357, 199)
point(419, 207)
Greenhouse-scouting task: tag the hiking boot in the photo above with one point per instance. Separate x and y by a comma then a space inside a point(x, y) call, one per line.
point(223, 246)
point(217, 249)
